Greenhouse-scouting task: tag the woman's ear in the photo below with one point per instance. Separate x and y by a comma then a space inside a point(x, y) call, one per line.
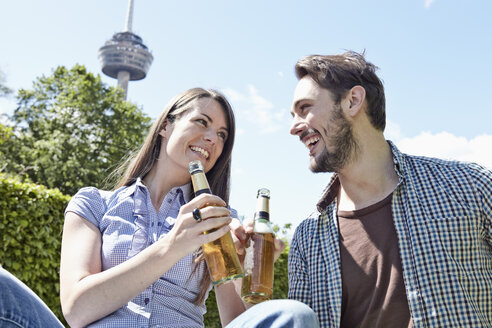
point(356, 97)
point(163, 128)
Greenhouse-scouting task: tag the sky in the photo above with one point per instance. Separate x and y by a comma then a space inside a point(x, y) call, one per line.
point(434, 57)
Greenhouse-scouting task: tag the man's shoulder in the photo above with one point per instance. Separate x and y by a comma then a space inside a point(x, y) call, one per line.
point(430, 165)
point(306, 228)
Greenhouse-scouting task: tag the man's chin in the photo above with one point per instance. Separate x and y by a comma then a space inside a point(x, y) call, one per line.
point(315, 167)
point(322, 163)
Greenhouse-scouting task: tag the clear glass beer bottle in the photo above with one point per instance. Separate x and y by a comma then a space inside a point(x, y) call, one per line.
point(258, 263)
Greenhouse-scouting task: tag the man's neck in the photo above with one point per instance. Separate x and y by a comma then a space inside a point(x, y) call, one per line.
point(369, 178)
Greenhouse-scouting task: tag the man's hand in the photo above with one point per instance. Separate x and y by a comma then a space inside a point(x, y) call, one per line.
point(241, 233)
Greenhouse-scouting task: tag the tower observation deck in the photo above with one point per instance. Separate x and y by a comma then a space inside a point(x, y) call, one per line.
point(124, 56)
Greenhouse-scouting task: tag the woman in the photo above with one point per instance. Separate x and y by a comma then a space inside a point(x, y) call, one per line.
point(128, 255)
point(116, 269)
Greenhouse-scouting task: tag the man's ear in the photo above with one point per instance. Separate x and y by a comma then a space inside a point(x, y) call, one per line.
point(355, 98)
point(163, 128)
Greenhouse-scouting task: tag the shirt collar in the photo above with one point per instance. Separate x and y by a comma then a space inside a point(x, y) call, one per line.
point(141, 195)
point(331, 191)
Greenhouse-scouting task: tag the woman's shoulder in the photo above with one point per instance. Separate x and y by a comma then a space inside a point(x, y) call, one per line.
point(91, 203)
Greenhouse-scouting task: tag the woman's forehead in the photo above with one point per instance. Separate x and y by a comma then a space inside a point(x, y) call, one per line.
point(209, 107)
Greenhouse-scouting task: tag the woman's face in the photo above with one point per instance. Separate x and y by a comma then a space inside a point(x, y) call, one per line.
point(198, 134)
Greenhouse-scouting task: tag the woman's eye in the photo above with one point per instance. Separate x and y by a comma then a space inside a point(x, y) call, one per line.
point(222, 135)
point(202, 121)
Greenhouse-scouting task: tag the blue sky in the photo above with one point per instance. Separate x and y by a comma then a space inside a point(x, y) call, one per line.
point(434, 59)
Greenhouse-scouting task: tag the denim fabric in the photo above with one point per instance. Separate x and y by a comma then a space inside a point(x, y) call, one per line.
point(20, 307)
point(277, 314)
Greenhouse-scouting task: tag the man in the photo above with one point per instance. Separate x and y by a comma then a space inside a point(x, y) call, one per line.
point(397, 240)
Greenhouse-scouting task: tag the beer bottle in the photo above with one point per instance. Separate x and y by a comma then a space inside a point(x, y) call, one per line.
point(220, 254)
point(258, 263)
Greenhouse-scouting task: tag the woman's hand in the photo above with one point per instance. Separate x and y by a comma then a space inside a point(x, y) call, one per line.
point(187, 235)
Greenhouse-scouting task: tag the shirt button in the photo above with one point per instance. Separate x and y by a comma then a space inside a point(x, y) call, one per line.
point(147, 301)
point(152, 224)
point(159, 223)
point(169, 201)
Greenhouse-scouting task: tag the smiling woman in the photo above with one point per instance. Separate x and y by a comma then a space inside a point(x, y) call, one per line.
point(138, 241)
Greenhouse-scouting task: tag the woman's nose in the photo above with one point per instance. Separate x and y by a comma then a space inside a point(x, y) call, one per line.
point(211, 136)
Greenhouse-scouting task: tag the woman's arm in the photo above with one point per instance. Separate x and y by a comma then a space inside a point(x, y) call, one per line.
point(88, 294)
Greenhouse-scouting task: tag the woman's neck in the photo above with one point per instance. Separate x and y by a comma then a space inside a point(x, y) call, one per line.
point(159, 183)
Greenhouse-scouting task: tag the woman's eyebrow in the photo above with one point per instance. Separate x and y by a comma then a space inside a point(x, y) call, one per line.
point(208, 117)
point(211, 121)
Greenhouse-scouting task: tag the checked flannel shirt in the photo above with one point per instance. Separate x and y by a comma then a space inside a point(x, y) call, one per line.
point(442, 211)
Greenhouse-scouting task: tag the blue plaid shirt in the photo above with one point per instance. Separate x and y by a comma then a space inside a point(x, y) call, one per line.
point(442, 211)
point(129, 223)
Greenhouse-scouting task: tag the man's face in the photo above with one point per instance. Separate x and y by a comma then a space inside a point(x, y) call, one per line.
point(321, 125)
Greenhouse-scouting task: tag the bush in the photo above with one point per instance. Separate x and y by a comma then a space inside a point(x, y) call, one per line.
point(31, 223)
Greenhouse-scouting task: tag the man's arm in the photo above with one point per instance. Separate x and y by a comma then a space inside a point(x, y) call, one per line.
point(299, 281)
point(483, 186)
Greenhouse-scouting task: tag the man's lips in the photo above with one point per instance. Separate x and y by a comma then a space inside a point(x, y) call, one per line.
point(310, 138)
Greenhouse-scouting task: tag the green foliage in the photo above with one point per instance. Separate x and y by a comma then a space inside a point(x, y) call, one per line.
point(4, 90)
point(283, 231)
point(31, 221)
point(71, 130)
point(280, 290)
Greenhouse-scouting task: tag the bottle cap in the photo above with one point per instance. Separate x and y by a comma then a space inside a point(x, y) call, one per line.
point(195, 166)
point(264, 192)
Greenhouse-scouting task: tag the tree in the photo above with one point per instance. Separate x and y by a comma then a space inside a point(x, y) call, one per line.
point(4, 90)
point(71, 130)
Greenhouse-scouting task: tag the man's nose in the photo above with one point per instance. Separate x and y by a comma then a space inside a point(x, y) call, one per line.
point(297, 126)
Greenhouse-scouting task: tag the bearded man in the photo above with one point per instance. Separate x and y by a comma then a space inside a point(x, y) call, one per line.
point(396, 240)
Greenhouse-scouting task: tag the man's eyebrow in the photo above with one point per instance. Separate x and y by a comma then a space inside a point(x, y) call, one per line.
point(297, 102)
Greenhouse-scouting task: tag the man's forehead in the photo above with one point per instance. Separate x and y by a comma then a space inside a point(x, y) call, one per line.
point(306, 88)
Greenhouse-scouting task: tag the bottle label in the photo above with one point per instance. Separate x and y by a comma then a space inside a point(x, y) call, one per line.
point(203, 191)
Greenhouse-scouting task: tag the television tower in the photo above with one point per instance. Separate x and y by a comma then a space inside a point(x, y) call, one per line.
point(124, 56)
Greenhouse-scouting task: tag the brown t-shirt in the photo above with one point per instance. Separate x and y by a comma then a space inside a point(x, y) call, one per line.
point(373, 291)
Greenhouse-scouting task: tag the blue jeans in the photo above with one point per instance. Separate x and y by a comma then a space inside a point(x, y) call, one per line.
point(20, 307)
point(277, 314)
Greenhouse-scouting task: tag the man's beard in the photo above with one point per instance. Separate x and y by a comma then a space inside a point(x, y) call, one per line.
point(341, 139)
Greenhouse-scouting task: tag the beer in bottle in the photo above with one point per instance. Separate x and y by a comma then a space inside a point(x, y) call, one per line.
point(220, 254)
point(258, 263)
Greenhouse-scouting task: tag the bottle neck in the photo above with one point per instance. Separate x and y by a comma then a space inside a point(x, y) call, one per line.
point(262, 209)
point(200, 183)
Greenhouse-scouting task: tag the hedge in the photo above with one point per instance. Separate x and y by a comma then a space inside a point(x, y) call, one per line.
point(31, 223)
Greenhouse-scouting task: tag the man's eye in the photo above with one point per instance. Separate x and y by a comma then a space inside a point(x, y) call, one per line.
point(303, 107)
